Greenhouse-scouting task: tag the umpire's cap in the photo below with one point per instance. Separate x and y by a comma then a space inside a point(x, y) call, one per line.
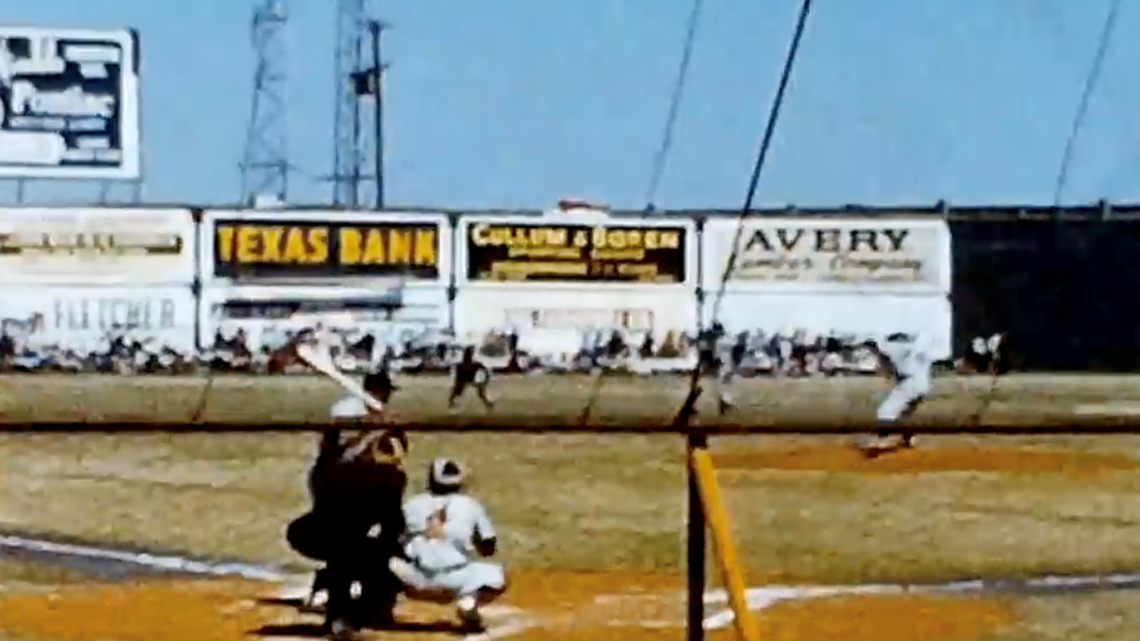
point(446, 473)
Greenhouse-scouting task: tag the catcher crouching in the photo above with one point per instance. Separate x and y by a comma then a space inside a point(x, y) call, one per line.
point(448, 546)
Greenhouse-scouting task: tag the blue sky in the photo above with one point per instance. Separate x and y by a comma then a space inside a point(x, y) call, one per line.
point(516, 103)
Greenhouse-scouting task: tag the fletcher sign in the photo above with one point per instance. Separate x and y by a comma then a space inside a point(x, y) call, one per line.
point(840, 252)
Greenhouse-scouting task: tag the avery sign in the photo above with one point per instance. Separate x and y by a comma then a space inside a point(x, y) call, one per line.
point(69, 103)
point(541, 251)
point(90, 245)
point(842, 253)
point(288, 249)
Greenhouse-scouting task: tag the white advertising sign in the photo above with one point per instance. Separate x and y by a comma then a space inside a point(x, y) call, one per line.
point(566, 320)
point(69, 103)
point(265, 316)
point(93, 245)
point(81, 318)
point(803, 254)
point(859, 316)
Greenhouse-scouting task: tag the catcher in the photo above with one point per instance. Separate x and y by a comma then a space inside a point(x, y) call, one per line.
point(357, 485)
point(448, 544)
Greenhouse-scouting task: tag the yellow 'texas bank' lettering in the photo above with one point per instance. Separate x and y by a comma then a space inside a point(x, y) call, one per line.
point(260, 244)
point(370, 246)
point(281, 244)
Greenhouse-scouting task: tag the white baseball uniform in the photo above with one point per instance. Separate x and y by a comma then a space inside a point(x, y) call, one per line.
point(910, 364)
point(448, 568)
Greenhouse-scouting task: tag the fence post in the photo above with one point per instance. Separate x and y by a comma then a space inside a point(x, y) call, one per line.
point(452, 286)
point(724, 549)
point(196, 214)
point(699, 272)
point(696, 544)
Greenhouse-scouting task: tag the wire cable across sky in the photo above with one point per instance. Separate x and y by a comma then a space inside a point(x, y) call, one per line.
point(660, 159)
point(686, 411)
point(1092, 79)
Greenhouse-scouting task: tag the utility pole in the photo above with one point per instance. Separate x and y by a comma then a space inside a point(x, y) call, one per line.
point(265, 163)
point(355, 82)
point(376, 30)
point(347, 151)
point(369, 83)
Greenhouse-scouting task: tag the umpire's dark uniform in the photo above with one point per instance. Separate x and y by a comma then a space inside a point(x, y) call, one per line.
point(354, 488)
point(356, 483)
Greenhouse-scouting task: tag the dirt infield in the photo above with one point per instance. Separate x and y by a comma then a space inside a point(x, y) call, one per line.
point(541, 606)
point(841, 457)
point(595, 519)
point(816, 515)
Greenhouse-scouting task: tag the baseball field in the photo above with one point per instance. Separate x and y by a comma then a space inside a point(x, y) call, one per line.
point(833, 545)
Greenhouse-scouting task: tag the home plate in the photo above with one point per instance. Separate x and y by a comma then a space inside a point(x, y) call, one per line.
point(1122, 408)
point(295, 590)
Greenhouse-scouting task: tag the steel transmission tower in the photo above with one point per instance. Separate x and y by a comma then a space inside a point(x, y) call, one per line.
point(348, 153)
point(265, 163)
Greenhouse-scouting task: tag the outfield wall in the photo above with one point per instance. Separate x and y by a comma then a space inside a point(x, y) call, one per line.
point(1065, 289)
point(1060, 285)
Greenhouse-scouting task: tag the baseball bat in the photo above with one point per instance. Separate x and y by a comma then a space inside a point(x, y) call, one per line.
point(321, 361)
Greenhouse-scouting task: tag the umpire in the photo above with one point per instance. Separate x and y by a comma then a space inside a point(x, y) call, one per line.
point(357, 485)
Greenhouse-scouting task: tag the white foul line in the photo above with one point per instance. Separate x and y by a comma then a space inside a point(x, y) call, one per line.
point(171, 563)
point(757, 598)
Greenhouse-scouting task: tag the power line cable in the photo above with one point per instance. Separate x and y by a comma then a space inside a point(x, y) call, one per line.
point(687, 410)
point(659, 160)
point(1092, 78)
point(660, 157)
point(1045, 15)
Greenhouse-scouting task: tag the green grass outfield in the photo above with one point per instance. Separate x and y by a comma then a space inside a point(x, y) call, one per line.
point(608, 502)
point(1018, 400)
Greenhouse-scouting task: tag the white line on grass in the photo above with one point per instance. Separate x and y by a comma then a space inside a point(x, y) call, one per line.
point(171, 563)
point(758, 598)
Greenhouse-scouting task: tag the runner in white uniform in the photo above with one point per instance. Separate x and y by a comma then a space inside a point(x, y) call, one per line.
point(449, 536)
point(908, 364)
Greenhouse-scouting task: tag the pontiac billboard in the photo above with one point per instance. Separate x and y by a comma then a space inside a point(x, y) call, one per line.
point(69, 104)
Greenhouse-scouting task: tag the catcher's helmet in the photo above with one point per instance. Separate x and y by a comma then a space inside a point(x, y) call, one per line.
point(446, 474)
